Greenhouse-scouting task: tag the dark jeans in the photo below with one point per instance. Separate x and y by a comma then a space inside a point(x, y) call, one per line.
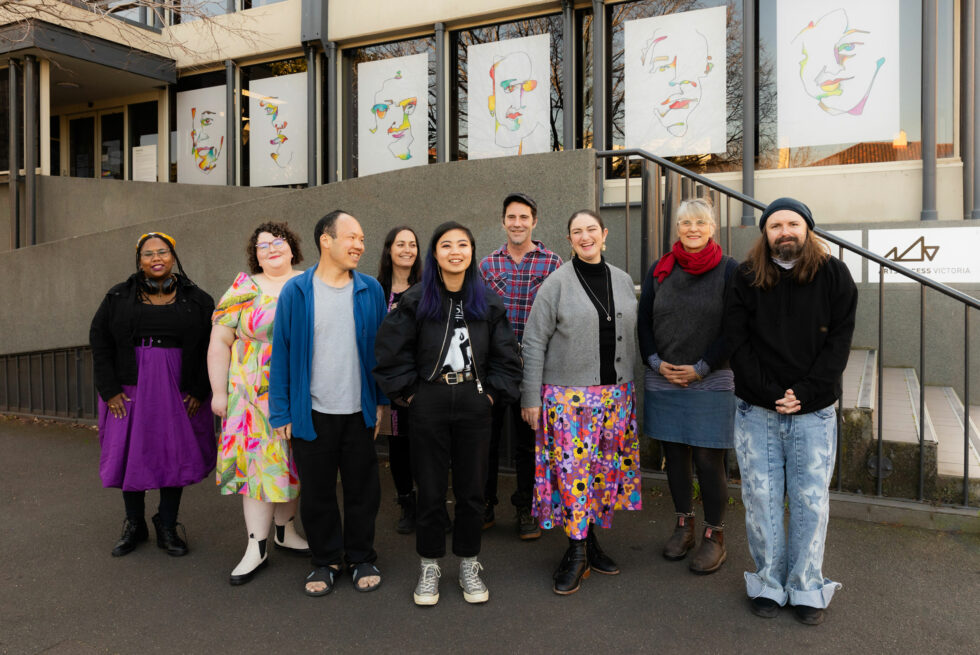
point(710, 463)
point(342, 443)
point(400, 453)
point(452, 428)
point(523, 437)
point(135, 502)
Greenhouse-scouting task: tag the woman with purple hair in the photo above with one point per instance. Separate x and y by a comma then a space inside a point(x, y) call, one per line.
point(448, 353)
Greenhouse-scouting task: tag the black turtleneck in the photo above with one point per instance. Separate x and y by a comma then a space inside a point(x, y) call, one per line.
point(595, 279)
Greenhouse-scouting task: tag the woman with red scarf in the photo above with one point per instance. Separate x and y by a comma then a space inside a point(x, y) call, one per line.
point(689, 401)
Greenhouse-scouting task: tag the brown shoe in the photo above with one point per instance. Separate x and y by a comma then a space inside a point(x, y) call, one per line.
point(711, 554)
point(682, 540)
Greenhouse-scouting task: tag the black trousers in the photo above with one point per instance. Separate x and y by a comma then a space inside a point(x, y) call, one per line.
point(450, 427)
point(135, 502)
point(400, 453)
point(523, 436)
point(343, 443)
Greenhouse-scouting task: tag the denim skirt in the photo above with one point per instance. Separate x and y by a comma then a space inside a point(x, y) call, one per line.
point(705, 419)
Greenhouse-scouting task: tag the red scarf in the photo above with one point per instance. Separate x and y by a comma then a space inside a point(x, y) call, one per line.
point(694, 263)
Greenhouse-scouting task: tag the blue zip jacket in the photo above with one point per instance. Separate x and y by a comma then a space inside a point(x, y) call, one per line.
point(292, 352)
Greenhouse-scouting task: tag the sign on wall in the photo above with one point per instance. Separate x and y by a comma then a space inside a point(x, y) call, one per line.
point(509, 110)
point(837, 72)
point(944, 254)
point(201, 136)
point(277, 130)
point(676, 83)
point(393, 114)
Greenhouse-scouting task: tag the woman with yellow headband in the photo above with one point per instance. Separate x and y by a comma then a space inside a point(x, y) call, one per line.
point(149, 343)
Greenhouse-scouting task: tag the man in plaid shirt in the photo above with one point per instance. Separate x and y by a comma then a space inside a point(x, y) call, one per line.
point(514, 272)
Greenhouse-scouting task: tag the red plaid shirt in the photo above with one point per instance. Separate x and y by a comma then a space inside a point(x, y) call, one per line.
point(517, 284)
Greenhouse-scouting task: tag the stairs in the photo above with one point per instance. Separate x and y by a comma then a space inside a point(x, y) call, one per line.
point(943, 451)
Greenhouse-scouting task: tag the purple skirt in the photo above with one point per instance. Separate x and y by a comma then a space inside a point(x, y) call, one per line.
point(156, 444)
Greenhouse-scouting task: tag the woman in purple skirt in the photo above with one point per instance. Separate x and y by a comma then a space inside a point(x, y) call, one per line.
point(149, 343)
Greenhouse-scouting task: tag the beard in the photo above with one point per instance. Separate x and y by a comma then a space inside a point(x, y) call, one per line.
point(788, 249)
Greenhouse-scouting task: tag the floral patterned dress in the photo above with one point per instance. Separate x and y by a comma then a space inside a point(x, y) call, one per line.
point(251, 460)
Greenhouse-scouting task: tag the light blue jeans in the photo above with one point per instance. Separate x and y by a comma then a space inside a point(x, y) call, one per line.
point(795, 453)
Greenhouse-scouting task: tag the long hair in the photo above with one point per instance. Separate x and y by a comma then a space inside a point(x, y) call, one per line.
point(386, 267)
point(765, 273)
point(431, 305)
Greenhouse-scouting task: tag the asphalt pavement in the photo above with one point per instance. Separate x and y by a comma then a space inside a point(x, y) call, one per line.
point(906, 590)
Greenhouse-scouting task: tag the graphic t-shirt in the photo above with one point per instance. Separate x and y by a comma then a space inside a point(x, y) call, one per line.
point(459, 357)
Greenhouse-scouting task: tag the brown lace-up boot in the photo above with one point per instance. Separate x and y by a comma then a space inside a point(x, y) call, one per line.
point(682, 540)
point(711, 554)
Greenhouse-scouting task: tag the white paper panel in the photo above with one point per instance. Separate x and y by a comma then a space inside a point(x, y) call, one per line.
point(277, 130)
point(201, 136)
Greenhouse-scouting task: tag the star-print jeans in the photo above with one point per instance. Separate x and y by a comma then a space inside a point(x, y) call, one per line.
point(795, 453)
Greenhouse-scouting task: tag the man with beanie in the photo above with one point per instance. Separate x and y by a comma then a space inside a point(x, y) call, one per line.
point(790, 317)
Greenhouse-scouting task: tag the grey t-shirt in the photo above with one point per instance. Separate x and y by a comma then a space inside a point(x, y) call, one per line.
point(335, 381)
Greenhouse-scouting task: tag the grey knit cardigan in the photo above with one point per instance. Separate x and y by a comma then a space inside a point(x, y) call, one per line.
point(561, 338)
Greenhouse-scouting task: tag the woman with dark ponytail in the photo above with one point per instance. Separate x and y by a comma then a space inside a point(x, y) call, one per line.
point(149, 342)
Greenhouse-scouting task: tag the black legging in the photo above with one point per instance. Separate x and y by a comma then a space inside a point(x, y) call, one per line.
point(710, 463)
point(135, 502)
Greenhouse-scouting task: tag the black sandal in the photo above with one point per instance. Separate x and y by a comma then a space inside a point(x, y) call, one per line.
point(325, 574)
point(365, 570)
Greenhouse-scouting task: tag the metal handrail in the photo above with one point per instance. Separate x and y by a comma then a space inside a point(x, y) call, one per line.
point(651, 202)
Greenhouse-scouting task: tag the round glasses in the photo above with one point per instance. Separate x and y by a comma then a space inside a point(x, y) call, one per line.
point(264, 247)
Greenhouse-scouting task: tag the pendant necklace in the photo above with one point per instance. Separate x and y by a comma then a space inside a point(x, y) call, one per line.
point(596, 299)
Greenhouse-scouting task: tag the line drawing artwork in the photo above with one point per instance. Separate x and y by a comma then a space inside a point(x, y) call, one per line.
point(513, 76)
point(838, 72)
point(675, 83)
point(201, 136)
point(393, 110)
point(277, 125)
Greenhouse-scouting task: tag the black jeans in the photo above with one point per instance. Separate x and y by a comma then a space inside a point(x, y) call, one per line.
point(451, 427)
point(523, 437)
point(400, 453)
point(342, 443)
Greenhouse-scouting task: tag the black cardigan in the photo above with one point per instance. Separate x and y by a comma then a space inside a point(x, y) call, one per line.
point(114, 328)
point(793, 336)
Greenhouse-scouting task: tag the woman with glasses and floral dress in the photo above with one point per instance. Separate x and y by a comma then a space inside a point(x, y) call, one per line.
point(252, 462)
point(149, 347)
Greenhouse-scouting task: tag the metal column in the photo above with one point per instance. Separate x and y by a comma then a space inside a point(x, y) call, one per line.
point(231, 122)
point(748, 108)
point(442, 124)
point(975, 213)
point(331, 82)
point(599, 76)
point(929, 34)
point(14, 153)
point(968, 54)
point(311, 127)
point(569, 106)
point(30, 154)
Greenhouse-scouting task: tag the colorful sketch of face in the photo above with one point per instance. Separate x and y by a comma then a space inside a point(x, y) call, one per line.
point(513, 105)
point(678, 62)
point(205, 153)
point(271, 108)
point(394, 104)
point(838, 63)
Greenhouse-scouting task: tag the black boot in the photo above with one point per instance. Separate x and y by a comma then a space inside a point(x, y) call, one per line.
point(167, 538)
point(406, 523)
point(573, 568)
point(133, 533)
point(598, 560)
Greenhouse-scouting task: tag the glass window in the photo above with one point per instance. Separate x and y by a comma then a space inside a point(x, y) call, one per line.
point(129, 9)
point(81, 146)
point(251, 74)
point(460, 100)
point(906, 143)
point(142, 129)
point(617, 17)
point(249, 4)
point(379, 52)
point(55, 146)
point(5, 119)
point(111, 146)
point(189, 83)
point(191, 10)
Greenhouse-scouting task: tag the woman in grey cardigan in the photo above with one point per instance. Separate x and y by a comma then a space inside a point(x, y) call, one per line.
point(689, 404)
point(579, 351)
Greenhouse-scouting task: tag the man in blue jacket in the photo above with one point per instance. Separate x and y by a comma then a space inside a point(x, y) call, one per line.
point(322, 395)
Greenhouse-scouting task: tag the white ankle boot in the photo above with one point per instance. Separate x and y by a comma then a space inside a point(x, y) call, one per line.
point(289, 539)
point(254, 559)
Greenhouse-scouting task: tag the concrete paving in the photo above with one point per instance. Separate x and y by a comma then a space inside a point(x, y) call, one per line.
point(905, 589)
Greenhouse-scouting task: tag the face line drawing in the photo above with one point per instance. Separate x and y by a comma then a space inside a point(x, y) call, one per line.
point(510, 74)
point(677, 78)
point(399, 130)
point(833, 86)
point(271, 107)
point(205, 156)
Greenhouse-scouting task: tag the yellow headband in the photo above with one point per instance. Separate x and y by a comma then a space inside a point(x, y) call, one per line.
point(166, 237)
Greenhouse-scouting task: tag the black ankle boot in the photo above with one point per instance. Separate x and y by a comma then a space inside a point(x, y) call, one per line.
point(406, 523)
point(598, 560)
point(134, 531)
point(573, 568)
point(167, 538)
